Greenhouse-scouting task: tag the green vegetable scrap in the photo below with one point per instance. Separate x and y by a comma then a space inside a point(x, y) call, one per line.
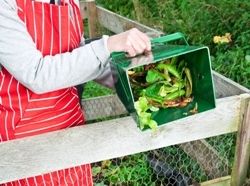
point(144, 111)
point(154, 76)
point(161, 85)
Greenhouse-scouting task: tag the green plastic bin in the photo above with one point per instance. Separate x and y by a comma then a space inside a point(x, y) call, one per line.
point(198, 61)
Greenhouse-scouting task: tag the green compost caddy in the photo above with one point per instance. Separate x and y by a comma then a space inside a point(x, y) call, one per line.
point(198, 61)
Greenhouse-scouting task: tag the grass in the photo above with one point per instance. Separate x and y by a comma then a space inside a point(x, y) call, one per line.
point(135, 170)
point(93, 89)
point(129, 170)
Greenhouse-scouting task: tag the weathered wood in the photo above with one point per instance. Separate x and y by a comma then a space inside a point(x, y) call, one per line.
point(115, 22)
point(92, 19)
point(225, 87)
point(207, 157)
point(109, 139)
point(242, 155)
point(223, 181)
point(83, 9)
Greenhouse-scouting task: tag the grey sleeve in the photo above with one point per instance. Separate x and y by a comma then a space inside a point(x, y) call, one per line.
point(18, 54)
point(105, 78)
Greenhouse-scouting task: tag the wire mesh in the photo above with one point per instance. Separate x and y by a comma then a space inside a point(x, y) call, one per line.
point(179, 165)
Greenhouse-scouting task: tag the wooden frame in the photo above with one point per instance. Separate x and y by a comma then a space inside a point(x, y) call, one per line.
point(119, 137)
point(224, 181)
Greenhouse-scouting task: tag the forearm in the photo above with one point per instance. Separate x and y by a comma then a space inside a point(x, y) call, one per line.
point(44, 74)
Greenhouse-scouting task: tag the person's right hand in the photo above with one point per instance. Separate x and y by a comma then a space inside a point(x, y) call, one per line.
point(132, 42)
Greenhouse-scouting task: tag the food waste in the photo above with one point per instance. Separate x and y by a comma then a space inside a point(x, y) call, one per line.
point(164, 84)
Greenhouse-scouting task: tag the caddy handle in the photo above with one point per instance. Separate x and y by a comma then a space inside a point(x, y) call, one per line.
point(168, 38)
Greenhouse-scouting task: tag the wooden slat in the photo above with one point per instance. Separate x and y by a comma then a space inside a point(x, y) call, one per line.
point(109, 139)
point(223, 181)
point(225, 87)
point(92, 19)
point(116, 23)
point(242, 155)
point(83, 8)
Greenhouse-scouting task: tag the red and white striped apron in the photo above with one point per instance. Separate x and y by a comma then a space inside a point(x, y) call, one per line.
point(55, 29)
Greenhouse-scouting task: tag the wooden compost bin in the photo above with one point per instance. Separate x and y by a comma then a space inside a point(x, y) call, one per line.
point(120, 137)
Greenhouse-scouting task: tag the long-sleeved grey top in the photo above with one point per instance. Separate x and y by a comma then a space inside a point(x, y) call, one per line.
point(18, 54)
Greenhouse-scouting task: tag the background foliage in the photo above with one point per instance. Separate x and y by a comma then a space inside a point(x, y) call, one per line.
point(200, 21)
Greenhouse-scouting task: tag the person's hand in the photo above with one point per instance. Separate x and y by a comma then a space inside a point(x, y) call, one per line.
point(132, 42)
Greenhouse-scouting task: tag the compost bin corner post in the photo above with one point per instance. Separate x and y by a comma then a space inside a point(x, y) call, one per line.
point(89, 11)
point(242, 153)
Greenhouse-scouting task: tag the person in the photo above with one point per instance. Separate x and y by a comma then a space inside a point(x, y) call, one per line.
point(42, 58)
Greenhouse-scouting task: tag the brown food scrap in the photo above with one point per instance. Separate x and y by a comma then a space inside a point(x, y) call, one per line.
point(188, 100)
point(183, 104)
point(130, 72)
point(134, 74)
point(148, 67)
point(172, 103)
point(133, 81)
point(195, 109)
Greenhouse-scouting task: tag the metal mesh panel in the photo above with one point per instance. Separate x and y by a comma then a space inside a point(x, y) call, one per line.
point(178, 165)
point(103, 108)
